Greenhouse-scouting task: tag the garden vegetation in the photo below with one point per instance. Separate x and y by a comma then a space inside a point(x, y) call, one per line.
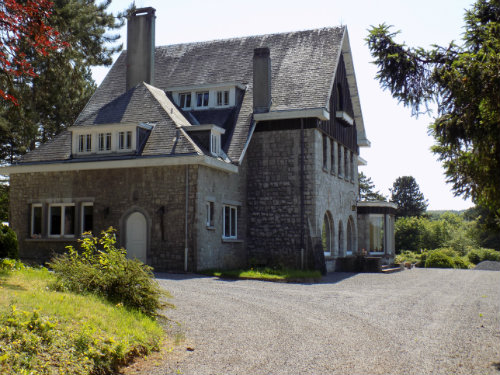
point(92, 315)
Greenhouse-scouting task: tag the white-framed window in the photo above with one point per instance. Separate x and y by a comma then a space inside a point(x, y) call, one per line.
point(36, 220)
point(185, 100)
point(222, 98)
point(87, 217)
point(202, 99)
point(215, 143)
point(104, 142)
point(210, 214)
point(85, 143)
point(125, 140)
point(62, 220)
point(230, 221)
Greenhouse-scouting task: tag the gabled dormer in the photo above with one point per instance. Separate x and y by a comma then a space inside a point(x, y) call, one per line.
point(207, 137)
point(210, 96)
point(109, 139)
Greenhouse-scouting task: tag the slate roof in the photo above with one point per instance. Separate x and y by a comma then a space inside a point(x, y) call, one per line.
point(303, 68)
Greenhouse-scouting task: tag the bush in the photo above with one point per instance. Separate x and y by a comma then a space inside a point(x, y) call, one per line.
point(476, 256)
point(103, 269)
point(9, 247)
point(7, 265)
point(460, 263)
point(438, 259)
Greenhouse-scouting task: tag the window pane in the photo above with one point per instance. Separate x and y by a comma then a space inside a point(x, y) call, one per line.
point(55, 220)
point(121, 140)
point(129, 140)
point(108, 141)
point(37, 220)
point(69, 220)
point(227, 221)
point(205, 99)
point(101, 142)
point(226, 97)
point(81, 141)
point(233, 222)
point(88, 218)
point(188, 100)
point(219, 97)
point(88, 146)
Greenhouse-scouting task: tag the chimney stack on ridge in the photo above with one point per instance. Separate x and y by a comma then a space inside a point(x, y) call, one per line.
point(261, 80)
point(140, 47)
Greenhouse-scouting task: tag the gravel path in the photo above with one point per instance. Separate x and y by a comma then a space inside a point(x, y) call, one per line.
point(419, 321)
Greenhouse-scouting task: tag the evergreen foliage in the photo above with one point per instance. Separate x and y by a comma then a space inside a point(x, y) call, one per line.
point(367, 189)
point(406, 194)
point(9, 247)
point(464, 81)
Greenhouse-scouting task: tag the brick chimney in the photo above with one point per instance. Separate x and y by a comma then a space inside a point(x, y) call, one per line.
point(141, 47)
point(261, 80)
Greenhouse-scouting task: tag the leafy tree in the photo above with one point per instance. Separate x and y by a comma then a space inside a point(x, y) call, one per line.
point(51, 98)
point(485, 230)
point(23, 26)
point(406, 193)
point(367, 189)
point(464, 81)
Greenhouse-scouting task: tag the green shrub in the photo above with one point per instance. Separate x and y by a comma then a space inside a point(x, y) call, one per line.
point(103, 269)
point(7, 264)
point(460, 263)
point(9, 247)
point(447, 251)
point(438, 259)
point(478, 255)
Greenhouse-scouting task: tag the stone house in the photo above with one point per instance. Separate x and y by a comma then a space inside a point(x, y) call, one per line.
point(206, 155)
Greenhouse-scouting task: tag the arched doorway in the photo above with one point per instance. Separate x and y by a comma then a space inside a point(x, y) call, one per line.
point(327, 234)
point(137, 237)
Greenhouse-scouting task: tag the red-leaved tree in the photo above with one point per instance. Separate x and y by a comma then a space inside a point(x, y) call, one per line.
point(23, 24)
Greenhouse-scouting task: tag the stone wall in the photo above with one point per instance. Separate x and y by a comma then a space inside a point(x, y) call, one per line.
point(221, 188)
point(158, 192)
point(274, 223)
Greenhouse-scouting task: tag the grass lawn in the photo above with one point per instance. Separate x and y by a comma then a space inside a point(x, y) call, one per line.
point(268, 274)
point(47, 332)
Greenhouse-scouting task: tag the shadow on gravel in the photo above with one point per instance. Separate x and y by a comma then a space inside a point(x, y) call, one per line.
point(335, 277)
point(180, 276)
point(496, 365)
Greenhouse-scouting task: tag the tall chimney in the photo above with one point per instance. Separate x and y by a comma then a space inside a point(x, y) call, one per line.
point(141, 47)
point(261, 80)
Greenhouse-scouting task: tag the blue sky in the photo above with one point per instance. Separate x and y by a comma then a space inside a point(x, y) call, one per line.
point(400, 143)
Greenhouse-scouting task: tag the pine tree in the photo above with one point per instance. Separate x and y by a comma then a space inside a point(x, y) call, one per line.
point(367, 189)
point(406, 194)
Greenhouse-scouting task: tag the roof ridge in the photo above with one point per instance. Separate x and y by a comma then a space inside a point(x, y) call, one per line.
point(248, 37)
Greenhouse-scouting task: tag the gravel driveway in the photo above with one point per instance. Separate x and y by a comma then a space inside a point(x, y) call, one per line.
point(419, 321)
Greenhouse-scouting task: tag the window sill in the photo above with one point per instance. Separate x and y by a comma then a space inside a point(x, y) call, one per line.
point(52, 239)
point(332, 173)
point(325, 169)
point(233, 240)
point(210, 227)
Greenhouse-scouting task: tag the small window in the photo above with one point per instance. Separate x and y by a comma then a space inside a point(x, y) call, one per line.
point(332, 156)
point(202, 99)
point(185, 100)
point(62, 220)
point(325, 152)
point(215, 144)
point(36, 220)
point(85, 143)
point(339, 159)
point(346, 163)
point(230, 222)
point(125, 140)
point(210, 214)
point(351, 162)
point(87, 217)
point(222, 98)
point(104, 141)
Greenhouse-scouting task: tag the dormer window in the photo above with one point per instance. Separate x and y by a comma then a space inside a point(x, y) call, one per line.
point(222, 98)
point(125, 140)
point(215, 143)
point(202, 99)
point(85, 143)
point(104, 141)
point(185, 100)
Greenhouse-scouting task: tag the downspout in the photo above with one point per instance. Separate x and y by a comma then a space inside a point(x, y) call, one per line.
point(302, 193)
point(186, 222)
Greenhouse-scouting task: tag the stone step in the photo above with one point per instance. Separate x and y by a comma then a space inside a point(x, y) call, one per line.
point(391, 269)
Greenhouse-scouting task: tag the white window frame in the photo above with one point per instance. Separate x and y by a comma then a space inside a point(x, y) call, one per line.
point(125, 140)
point(215, 144)
point(62, 207)
point(233, 214)
point(210, 214)
point(85, 143)
point(203, 103)
point(32, 227)
point(222, 98)
point(104, 142)
point(82, 214)
point(182, 103)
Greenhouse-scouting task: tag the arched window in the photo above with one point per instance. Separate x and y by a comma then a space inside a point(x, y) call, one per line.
point(327, 234)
